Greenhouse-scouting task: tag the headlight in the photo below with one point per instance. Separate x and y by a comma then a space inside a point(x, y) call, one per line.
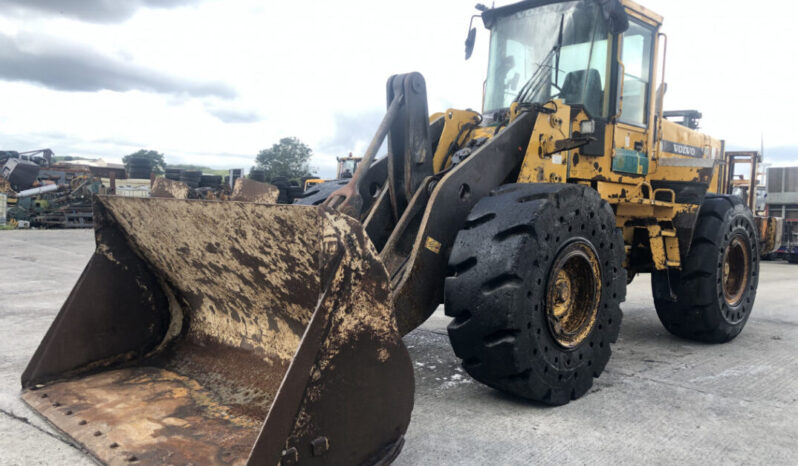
point(587, 127)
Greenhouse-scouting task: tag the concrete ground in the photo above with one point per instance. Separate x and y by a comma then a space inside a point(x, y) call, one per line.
point(661, 400)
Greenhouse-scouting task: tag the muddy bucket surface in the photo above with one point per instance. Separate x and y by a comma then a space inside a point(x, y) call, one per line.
point(226, 333)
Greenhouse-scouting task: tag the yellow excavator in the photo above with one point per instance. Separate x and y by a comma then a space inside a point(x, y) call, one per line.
point(232, 332)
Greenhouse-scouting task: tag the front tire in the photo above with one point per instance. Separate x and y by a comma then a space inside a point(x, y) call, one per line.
point(535, 285)
point(712, 296)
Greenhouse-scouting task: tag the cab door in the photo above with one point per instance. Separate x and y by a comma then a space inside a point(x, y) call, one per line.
point(632, 146)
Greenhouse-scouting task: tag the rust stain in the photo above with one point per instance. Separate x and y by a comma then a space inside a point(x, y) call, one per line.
point(156, 415)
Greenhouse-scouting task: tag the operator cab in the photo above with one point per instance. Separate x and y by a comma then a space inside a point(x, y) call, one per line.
point(347, 166)
point(542, 50)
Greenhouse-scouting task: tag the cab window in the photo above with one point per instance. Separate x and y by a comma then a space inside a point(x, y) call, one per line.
point(636, 52)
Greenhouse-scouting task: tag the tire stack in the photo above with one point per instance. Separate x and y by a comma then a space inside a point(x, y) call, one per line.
point(173, 174)
point(139, 168)
point(258, 175)
point(191, 178)
point(281, 183)
point(289, 190)
point(295, 191)
point(210, 181)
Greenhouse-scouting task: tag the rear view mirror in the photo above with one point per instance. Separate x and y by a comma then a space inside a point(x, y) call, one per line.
point(469, 42)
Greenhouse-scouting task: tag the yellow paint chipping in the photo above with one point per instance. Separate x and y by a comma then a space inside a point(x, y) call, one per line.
point(433, 245)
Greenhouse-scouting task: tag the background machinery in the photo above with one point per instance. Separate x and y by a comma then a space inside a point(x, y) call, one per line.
point(782, 202)
point(753, 191)
point(232, 332)
point(44, 193)
point(317, 190)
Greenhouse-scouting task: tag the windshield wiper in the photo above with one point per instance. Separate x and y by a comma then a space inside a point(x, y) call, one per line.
point(533, 83)
point(557, 60)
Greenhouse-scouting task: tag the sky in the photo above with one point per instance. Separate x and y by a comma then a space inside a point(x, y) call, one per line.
point(213, 82)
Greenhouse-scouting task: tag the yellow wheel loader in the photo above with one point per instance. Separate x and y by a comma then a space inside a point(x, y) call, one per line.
point(317, 190)
point(230, 332)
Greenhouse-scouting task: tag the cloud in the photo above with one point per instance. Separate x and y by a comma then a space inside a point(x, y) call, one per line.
point(67, 66)
point(783, 156)
point(95, 11)
point(233, 115)
point(352, 131)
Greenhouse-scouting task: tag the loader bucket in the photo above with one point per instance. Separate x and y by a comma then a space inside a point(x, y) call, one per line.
point(226, 333)
point(164, 187)
point(254, 191)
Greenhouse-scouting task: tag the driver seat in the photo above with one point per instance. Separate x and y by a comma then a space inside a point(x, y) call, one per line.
point(574, 90)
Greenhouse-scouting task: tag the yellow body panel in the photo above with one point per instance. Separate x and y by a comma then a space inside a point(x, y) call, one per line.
point(452, 126)
point(541, 164)
point(312, 181)
point(649, 198)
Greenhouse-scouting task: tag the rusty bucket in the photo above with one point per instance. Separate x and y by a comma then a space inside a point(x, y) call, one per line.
point(226, 333)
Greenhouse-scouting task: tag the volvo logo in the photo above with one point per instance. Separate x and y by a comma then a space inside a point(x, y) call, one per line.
point(682, 149)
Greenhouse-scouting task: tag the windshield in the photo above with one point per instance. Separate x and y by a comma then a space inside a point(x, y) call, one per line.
point(348, 167)
point(552, 51)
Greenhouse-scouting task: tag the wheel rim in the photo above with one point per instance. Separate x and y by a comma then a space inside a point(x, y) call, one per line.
point(573, 294)
point(736, 264)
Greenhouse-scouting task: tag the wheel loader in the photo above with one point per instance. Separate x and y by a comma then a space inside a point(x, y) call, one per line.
point(318, 190)
point(233, 332)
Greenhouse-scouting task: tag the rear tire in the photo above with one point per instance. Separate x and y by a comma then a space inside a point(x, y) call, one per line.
point(506, 293)
point(715, 290)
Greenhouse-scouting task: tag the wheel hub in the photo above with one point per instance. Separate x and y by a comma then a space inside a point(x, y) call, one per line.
point(573, 293)
point(562, 297)
point(736, 263)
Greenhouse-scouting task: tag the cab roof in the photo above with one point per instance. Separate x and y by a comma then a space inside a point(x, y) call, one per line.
point(490, 16)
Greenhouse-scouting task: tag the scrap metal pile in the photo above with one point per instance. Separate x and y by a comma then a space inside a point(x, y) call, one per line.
point(46, 194)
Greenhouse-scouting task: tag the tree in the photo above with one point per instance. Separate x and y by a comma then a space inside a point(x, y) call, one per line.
point(156, 159)
point(288, 158)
